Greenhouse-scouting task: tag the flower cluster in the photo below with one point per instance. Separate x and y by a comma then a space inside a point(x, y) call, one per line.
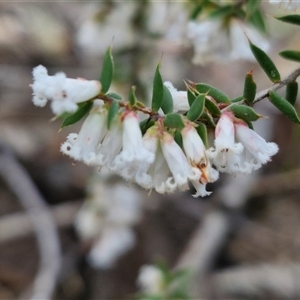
point(153, 160)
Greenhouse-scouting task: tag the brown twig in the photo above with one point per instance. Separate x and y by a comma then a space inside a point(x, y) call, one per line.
point(42, 221)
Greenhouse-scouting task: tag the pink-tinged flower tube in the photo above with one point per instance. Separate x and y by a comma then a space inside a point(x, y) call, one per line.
point(83, 146)
point(64, 93)
point(195, 152)
point(133, 151)
point(226, 155)
point(258, 150)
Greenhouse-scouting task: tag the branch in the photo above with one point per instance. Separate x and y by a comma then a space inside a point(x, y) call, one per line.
point(290, 78)
point(44, 226)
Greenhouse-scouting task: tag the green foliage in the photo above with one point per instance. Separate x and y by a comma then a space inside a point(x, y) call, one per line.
point(158, 90)
point(202, 131)
point(112, 113)
point(258, 21)
point(244, 112)
point(212, 107)
point(174, 120)
point(265, 62)
point(178, 138)
point(251, 7)
point(107, 72)
point(114, 96)
point(292, 19)
point(249, 88)
point(290, 55)
point(132, 97)
point(284, 106)
point(167, 104)
point(145, 124)
point(219, 96)
point(83, 109)
point(191, 96)
point(291, 92)
point(197, 108)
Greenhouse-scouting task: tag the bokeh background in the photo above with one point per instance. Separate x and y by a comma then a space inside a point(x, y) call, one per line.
point(245, 236)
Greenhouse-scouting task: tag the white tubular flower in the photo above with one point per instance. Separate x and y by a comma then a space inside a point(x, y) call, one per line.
point(226, 155)
point(64, 93)
point(260, 151)
point(110, 146)
point(133, 152)
point(215, 41)
point(84, 145)
point(178, 164)
point(196, 154)
point(150, 280)
point(114, 242)
point(286, 4)
point(180, 100)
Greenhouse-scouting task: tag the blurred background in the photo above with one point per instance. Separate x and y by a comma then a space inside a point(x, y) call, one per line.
point(243, 240)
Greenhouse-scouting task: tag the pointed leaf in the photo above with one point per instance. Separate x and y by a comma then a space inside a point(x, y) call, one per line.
point(83, 109)
point(178, 138)
point(284, 106)
point(222, 12)
point(145, 124)
point(291, 92)
point(244, 112)
point(290, 55)
point(258, 21)
point(112, 113)
point(158, 90)
point(212, 107)
point(196, 108)
point(167, 105)
point(115, 96)
point(107, 73)
point(132, 97)
point(191, 97)
point(252, 6)
point(202, 131)
point(265, 62)
point(209, 119)
point(249, 88)
point(292, 19)
point(213, 92)
point(174, 121)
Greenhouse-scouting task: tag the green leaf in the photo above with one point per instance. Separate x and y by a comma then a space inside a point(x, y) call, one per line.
point(284, 106)
point(167, 105)
point(178, 138)
point(252, 6)
point(107, 72)
point(114, 96)
point(292, 19)
point(145, 124)
point(196, 108)
point(222, 12)
point(244, 112)
point(209, 119)
point(202, 131)
point(191, 96)
point(112, 113)
point(83, 109)
point(196, 11)
point(219, 96)
point(291, 92)
point(132, 97)
point(265, 62)
point(174, 121)
point(212, 107)
point(258, 21)
point(249, 88)
point(158, 90)
point(237, 99)
point(290, 55)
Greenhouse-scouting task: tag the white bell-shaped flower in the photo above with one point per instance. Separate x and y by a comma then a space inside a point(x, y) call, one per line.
point(226, 155)
point(83, 146)
point(180, 100)
point(258, 150)
point(195, 152)
point(64, 93)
